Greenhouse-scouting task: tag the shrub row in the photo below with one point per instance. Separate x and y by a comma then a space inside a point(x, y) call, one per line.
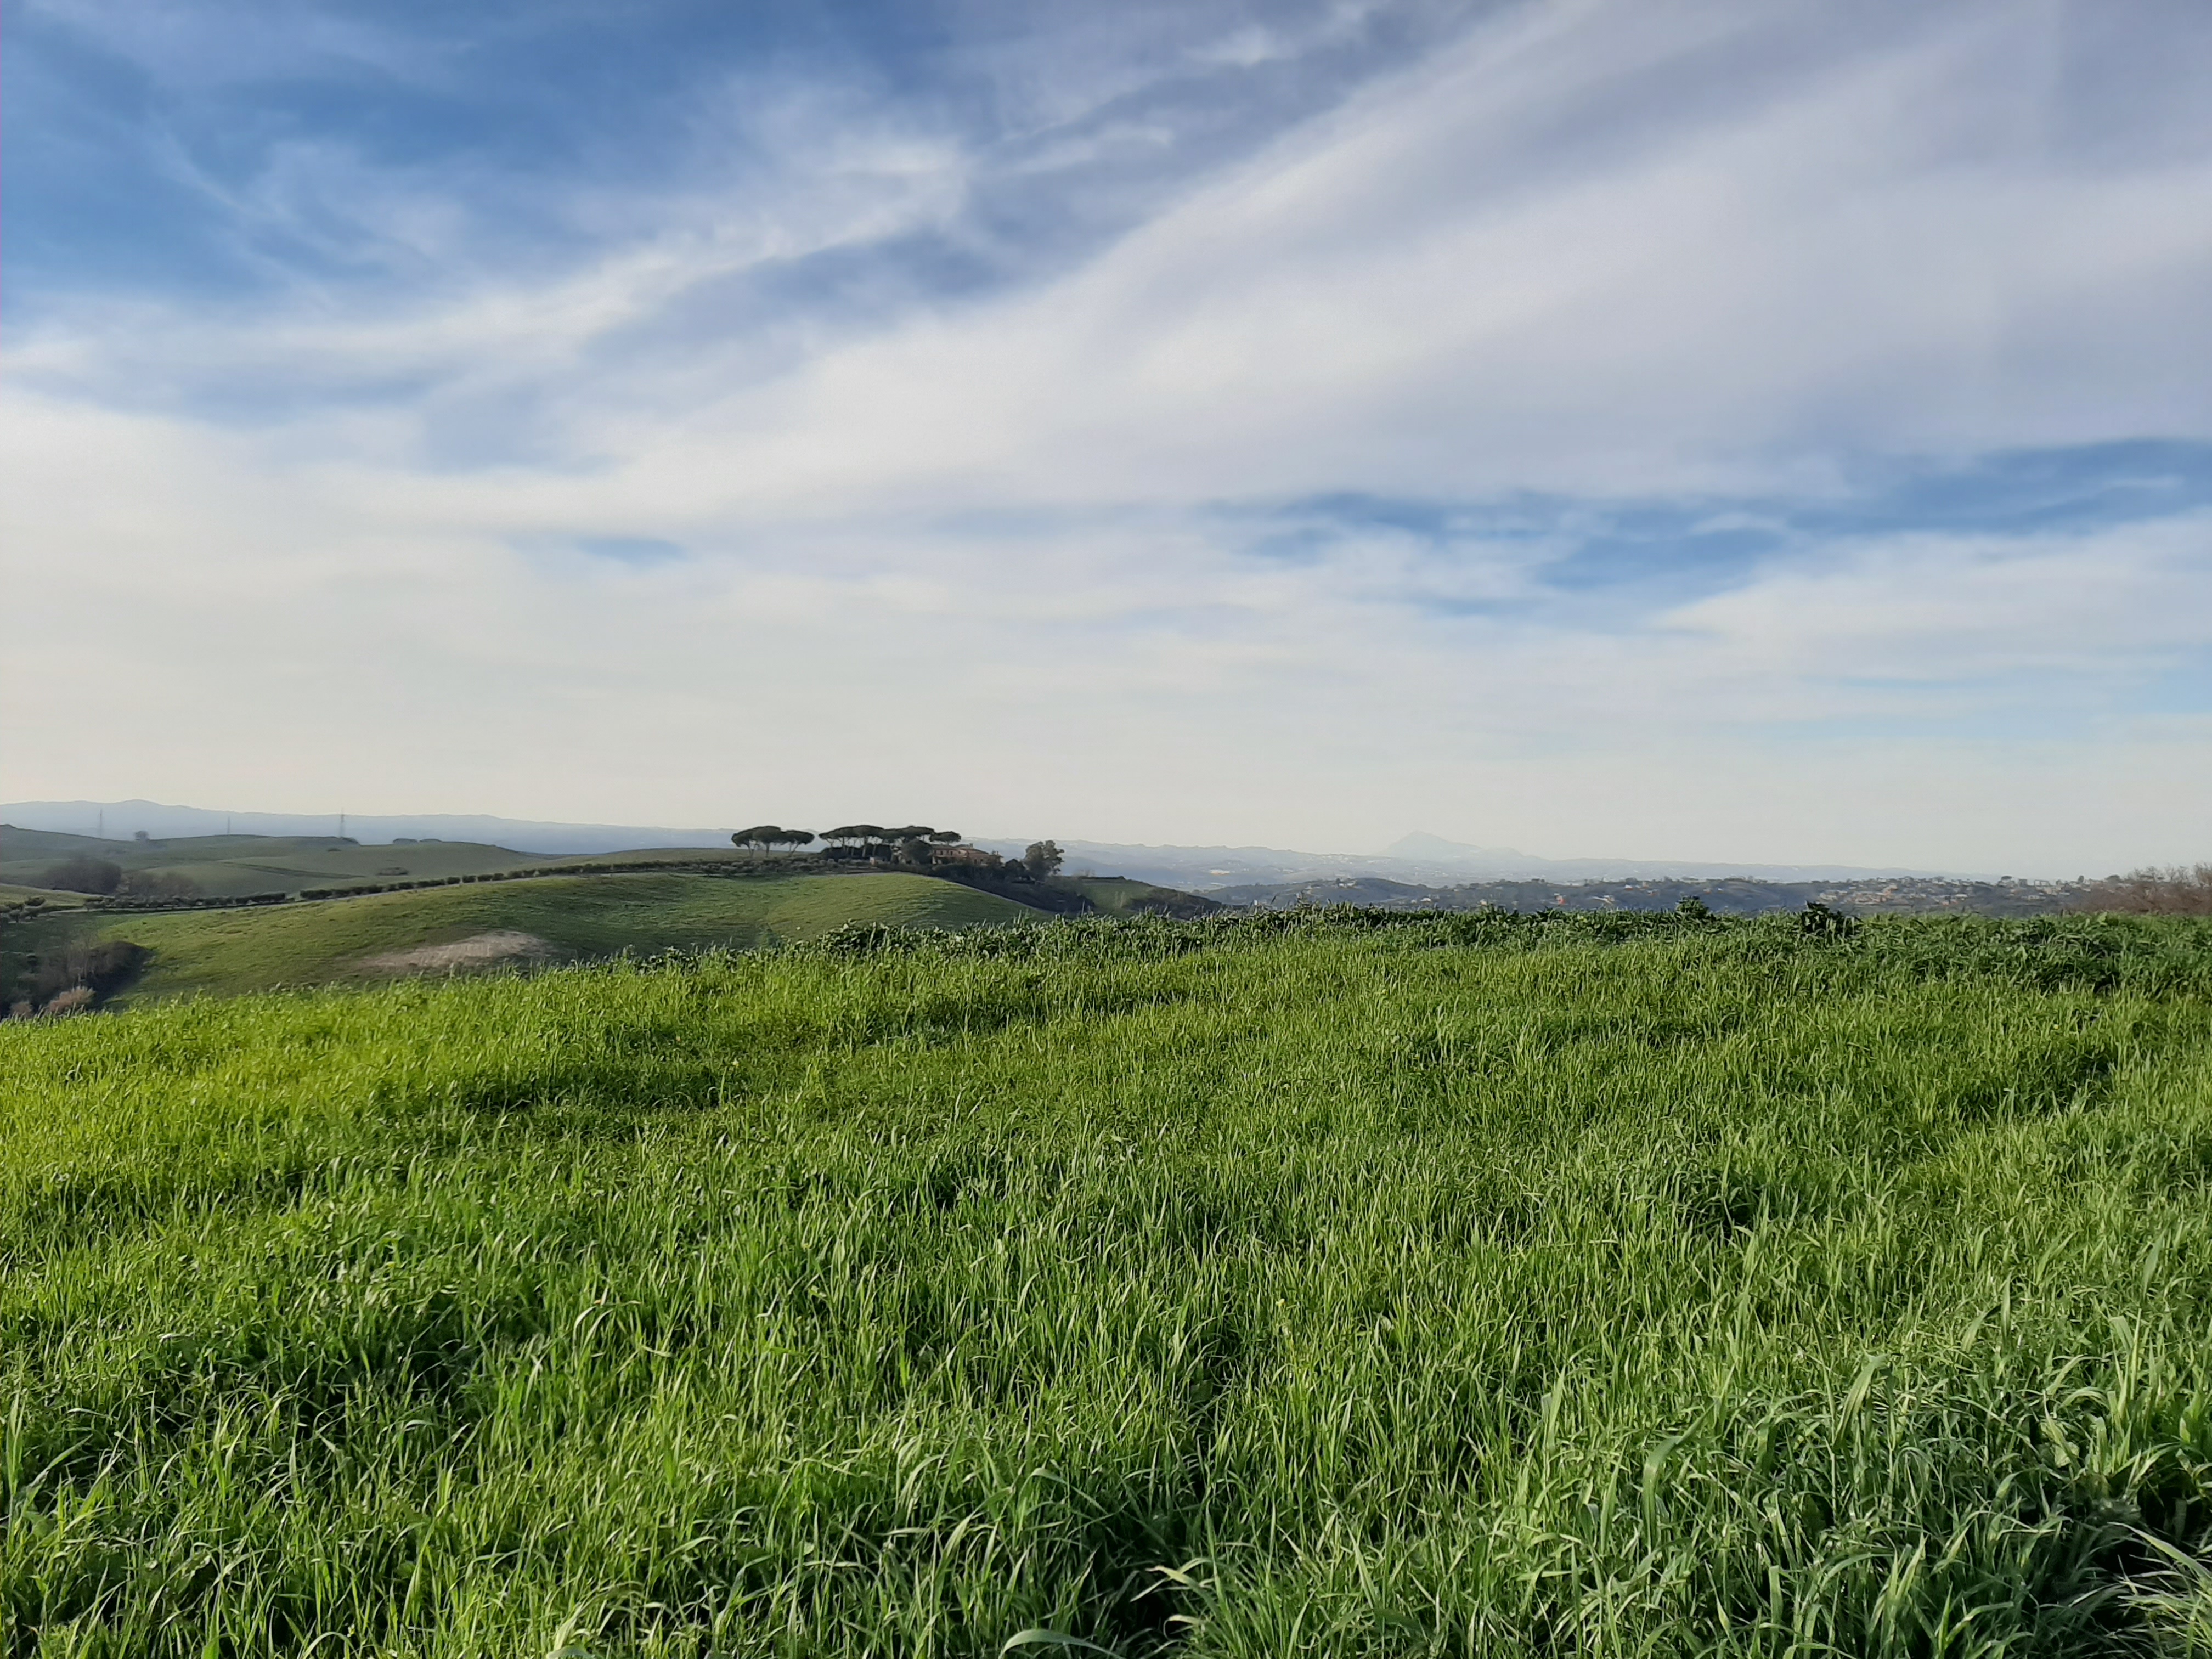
point(75, 977)
point(2182, 890)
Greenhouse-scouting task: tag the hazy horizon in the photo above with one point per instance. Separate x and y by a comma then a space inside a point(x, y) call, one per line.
point(1684, 429)
point(1417, 854)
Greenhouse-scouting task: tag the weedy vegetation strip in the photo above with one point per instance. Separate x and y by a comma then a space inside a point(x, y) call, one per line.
point(1323, 1283)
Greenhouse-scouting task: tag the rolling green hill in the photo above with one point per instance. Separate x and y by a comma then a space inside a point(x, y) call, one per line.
point(16, 893)
point(239, 867)
point(245, 866)
point(1121, 896)
point(533, 920)
point(1494, 1287)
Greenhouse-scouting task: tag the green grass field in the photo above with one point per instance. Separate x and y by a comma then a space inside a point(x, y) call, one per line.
point(224, 953)
point(236, 866)
point(1460, 1286)
point(1116, 896)
point(12, 893)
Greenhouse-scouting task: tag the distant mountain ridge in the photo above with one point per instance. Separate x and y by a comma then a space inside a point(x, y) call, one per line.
point(1420, 859)
point(123, 818)
point(1508, 861)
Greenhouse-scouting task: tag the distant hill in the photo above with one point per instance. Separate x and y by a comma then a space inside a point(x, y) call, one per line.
point(532, 921)
point(243, 866)
point(1506, 863)
point(123, 818)
point(1119, 896)
point(1420, 859)
point(1724, 895)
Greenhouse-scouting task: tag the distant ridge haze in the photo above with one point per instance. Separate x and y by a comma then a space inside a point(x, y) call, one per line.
point(1421, 847)
point(1419, 857)
point(162, 822)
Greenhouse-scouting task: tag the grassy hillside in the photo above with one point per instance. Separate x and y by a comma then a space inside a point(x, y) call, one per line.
point(371, 938)
point(1469, 1286)
point(12, 893)
point(236, 867)
point(1120, 896)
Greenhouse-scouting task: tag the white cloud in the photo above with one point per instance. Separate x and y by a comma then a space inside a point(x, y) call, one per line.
point(211, 632)
point(219, 42)
point(1597, 248)
point(1524, 264)
point(1853, 254)
point(1939, 609)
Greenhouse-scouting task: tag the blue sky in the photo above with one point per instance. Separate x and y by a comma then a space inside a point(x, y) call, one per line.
point(1654, 428)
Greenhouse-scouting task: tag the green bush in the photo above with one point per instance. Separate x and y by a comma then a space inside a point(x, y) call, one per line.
point(83, 874)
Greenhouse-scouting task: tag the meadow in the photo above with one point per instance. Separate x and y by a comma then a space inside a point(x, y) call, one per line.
point(236, 866)
point(223, 953)
point(1319, 1284)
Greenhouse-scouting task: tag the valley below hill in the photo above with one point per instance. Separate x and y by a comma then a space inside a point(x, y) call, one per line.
point(1738, 895)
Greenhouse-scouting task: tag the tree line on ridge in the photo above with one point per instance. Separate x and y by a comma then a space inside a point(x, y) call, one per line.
point(910, 846)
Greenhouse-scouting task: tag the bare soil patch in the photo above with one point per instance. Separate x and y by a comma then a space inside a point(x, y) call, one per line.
point(478, 951)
